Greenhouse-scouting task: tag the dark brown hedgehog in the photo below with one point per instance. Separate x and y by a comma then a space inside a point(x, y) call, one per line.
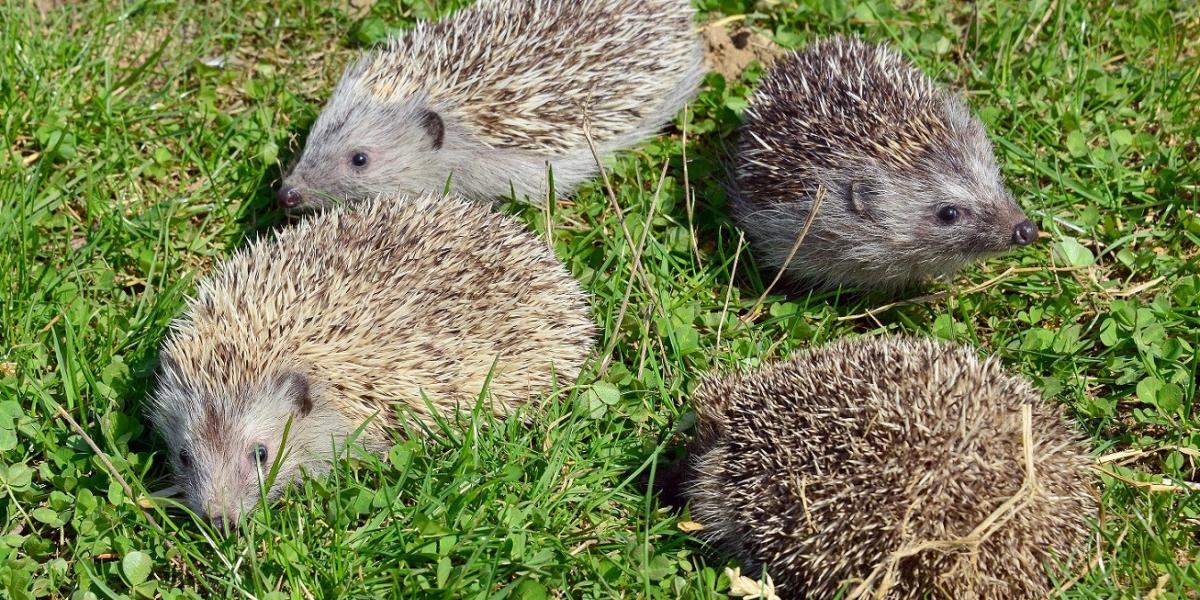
point(910, 183)
point(869, 462)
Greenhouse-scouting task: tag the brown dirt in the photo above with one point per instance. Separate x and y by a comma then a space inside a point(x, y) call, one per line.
point(357, 9)
point(730, 47)
point(45, 6)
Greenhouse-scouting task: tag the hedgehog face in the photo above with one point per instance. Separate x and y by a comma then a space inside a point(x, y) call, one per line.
point(893, 223)
point(360, 149)
point(956, 208)
point(938, 220)
point(911, 184)
point(226, 445)
point(975, 212)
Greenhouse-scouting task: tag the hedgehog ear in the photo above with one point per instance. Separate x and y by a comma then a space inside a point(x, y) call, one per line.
point(857, 198)
point(295, 386)
point(434, 126)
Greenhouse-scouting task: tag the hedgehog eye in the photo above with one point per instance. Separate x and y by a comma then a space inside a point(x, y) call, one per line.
point(359, 159)
point(260, 454)
point(185, 459)
point(948, 215)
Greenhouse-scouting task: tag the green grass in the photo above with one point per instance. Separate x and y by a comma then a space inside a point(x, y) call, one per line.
point(129, 165)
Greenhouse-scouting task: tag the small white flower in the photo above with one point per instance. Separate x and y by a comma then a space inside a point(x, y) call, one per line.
point(750, 589)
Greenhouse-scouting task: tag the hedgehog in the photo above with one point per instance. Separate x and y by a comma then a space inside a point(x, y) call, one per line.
point(358, 321)
point(905, 175)
point(482, 102)
point(831, 468)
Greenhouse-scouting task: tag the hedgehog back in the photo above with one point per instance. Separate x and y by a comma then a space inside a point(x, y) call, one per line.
point(838, 102)
point(822, 466)
point(388, 300)
point(522, 74)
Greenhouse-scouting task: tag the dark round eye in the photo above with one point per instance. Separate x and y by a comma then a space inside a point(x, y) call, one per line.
point(260, 454)
point(185, 459)
point(359, 159)
point(948, 214)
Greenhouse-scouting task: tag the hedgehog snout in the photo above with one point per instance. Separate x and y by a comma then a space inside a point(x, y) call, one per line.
point(219, 522)
point(1024, 233)
point(222, 515)
point(288, 196)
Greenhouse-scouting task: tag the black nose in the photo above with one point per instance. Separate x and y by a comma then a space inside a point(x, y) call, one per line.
point(288, 197)
point(219, 522)
point(1025, 233)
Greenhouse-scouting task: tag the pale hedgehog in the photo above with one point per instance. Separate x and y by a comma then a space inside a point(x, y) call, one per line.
point(910, 184)
point(347, 318)
point(487, 98)
point(823, 466)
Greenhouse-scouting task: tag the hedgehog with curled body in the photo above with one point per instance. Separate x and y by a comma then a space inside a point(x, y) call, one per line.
point(485, 99)
point(908, 180)
point(821, 467)
point(347, 318)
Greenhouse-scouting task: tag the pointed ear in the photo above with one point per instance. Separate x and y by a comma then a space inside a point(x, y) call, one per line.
point(434, 126)
point(294, 385)
point(858, 199)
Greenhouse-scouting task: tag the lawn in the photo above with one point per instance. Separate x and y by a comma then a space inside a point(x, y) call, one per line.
point(141, 143)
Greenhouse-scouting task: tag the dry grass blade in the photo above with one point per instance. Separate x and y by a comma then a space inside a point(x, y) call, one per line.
point(1031, 39)
point(116, 475)
point(584, 545)
point(637, 260)
point(729, 289)
point(1137, 289)
point(812, 214)
point(688, 199)
point(722, 22)
point(812, 526)
point(884, 576)
point(1127, 455)
point(945, 293)
point(1166, 486)
point(612, 199)
point(108, 466)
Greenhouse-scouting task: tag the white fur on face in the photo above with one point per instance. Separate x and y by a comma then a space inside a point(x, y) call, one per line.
point(888, 150)
point(898, 241)
point(402, 156)
point(220, 433)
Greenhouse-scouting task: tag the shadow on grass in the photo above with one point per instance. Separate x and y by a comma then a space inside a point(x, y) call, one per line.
point(261, 215)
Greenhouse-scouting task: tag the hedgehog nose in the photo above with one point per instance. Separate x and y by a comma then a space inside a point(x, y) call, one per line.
point(1025, 233)
point(288, 196)
point(222, 518)
point(219, 522)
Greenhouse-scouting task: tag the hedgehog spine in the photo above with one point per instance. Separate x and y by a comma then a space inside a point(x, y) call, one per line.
point(348, 316)
point(490, 96)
